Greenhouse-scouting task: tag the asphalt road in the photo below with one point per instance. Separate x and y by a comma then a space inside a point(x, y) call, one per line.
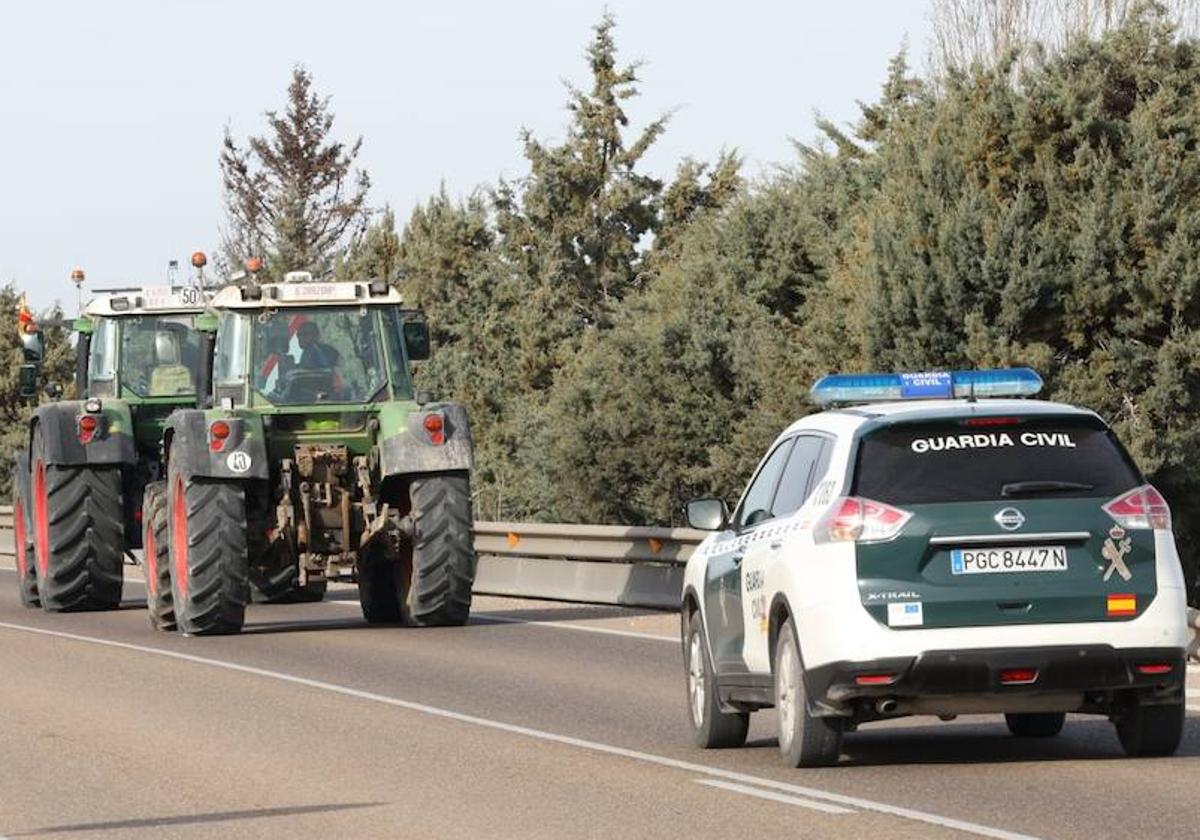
point(535, 721)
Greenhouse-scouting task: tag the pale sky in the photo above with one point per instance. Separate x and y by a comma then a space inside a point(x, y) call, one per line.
point(112, 113)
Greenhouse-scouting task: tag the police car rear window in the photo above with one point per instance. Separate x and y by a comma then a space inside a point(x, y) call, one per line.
point(992, 459)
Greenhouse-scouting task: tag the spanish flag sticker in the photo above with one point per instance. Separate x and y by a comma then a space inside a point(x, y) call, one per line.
point(1122, 604)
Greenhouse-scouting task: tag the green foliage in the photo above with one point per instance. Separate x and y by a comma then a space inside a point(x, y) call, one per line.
point(625, 344)
point(58, 367)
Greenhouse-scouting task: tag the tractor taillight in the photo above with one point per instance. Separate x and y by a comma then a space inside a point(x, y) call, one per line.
point(218, 433)
point(89, 424)
point(435, 427)
point(854, 519)
point(1142, 508)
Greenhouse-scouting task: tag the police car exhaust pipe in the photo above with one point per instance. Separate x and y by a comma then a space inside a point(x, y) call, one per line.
point(886, 705)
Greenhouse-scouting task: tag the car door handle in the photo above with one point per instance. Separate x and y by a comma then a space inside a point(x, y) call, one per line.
point(776, 545)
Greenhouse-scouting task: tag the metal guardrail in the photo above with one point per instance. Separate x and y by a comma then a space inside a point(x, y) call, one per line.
point(632, 566)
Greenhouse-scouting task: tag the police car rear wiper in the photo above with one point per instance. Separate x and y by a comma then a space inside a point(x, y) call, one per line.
point(1019, 488)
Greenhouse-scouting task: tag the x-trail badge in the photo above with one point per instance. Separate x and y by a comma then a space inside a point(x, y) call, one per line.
point(1010, 519)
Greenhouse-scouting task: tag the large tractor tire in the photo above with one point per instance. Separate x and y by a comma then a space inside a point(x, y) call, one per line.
point(279, 586)
point(79, 533)
point(206, 520)
point(23, 535)
point(383, 579)
point(156, 554)
point(443, 550)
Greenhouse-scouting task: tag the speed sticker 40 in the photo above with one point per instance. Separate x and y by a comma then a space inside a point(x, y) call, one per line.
point(1026, 558)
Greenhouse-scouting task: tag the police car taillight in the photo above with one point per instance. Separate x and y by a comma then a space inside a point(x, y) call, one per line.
point(853, 519)
point(1142, 508)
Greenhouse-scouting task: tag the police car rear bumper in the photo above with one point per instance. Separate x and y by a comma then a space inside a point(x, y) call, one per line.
point(1093, 673)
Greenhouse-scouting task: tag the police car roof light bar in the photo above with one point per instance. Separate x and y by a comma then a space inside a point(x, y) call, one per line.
point(931, 385)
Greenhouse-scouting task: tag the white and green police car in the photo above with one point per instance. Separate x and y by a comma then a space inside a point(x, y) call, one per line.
point(926, 547)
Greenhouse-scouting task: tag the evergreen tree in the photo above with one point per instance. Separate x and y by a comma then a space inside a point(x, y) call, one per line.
point(292, 195)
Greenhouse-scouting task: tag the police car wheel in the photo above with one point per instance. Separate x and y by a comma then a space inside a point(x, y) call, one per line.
point(1035, 724)
point(711, 727)
point(1150, 730)
point(804, 739)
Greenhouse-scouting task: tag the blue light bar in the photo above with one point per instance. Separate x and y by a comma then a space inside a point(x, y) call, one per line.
point(879, 387)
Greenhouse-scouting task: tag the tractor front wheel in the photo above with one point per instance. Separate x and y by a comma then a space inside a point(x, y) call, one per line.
point(156, 563)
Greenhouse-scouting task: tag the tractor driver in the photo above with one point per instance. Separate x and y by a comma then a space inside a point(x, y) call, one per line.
point(314, 353)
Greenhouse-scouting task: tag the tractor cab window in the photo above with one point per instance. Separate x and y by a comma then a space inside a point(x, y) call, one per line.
point(393, 331)
point(102, 362)
point(318, 355)
point(160, 355)
point(229, 366)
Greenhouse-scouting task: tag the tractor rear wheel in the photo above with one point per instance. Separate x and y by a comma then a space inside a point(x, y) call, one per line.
point(79, 533)
point(209, 566)
point(443, 550)
point(23, 535)
point(156, 563)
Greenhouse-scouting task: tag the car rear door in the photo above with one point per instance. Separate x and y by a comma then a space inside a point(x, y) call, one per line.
point(771, 543)
point(723, 605)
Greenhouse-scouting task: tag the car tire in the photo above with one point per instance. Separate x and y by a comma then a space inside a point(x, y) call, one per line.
point(79, 534)
point(805, 740)
point(1146, 731)
point(712, 728)
point(23, 536)
point(209, 567)
point(443, 550)
point(156, 557)
point(1035, 724)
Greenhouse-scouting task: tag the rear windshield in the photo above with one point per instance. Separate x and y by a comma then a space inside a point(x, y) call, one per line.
point(1012, 458)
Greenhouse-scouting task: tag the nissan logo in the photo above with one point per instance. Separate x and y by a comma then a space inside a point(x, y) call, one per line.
point(1010, 519)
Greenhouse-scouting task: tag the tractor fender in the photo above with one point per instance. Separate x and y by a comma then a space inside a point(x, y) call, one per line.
point(408, 449)
point(186, 443)
point(59, 423)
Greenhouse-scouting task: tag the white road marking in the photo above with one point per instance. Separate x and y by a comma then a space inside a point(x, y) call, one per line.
point(774, 797)
point(1192, 692)
point(541, 735)
point(1193, 709)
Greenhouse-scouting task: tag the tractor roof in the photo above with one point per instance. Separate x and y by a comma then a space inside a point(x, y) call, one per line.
point(155, 300)
point(306, 293)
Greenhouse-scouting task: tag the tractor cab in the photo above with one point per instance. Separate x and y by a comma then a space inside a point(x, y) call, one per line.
point(304, 346)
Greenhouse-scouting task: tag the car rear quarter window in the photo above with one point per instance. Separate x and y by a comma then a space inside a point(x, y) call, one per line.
point(993, 459)
point(809, 458)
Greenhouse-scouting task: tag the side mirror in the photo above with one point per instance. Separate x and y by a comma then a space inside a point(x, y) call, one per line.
point(416, 340)
point(27, 378)
point(707, 514)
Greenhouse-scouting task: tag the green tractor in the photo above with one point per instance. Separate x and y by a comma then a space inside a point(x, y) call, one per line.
point(78, 482)
point(310, 458)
